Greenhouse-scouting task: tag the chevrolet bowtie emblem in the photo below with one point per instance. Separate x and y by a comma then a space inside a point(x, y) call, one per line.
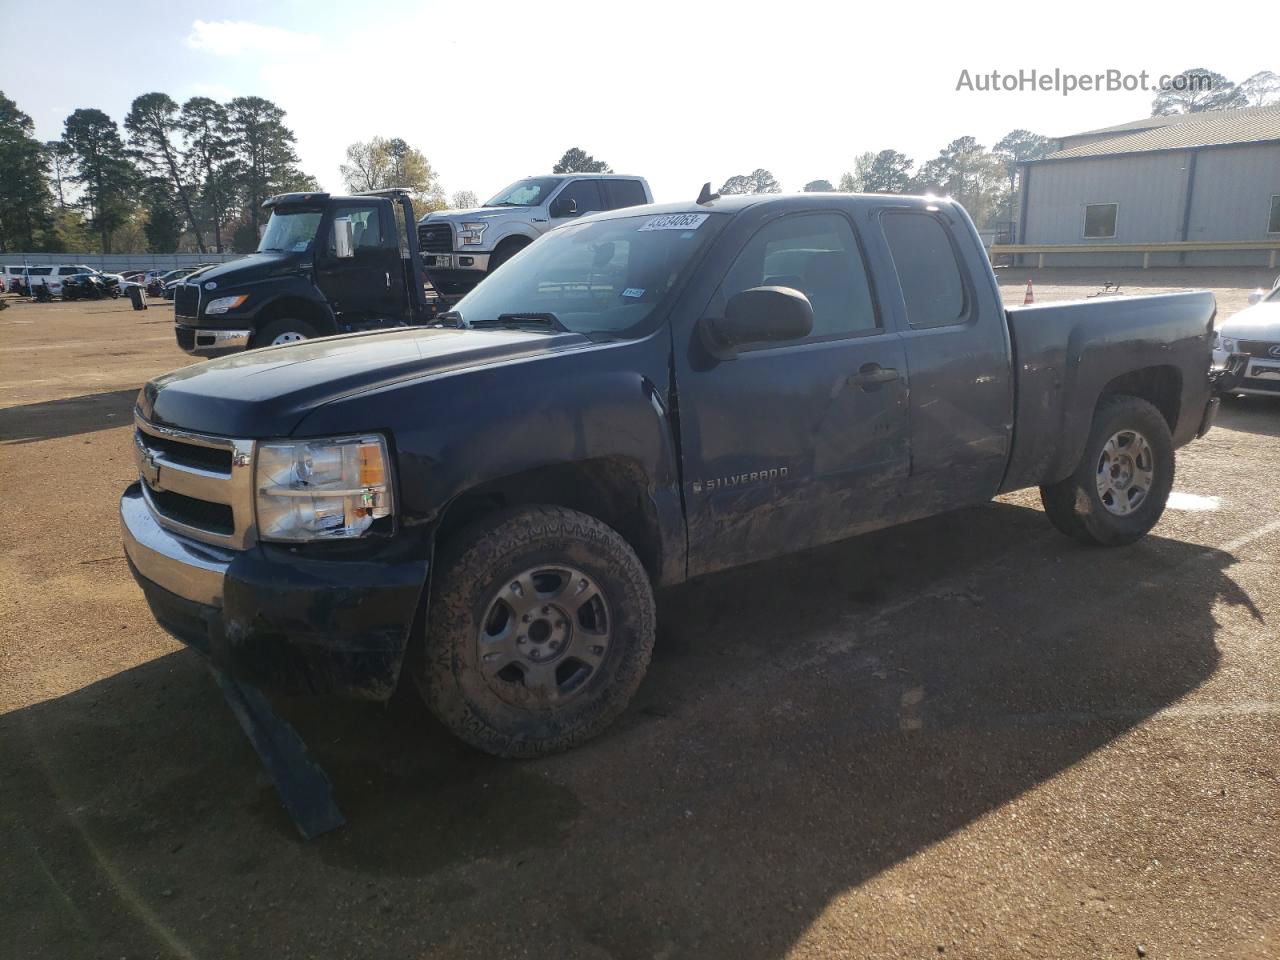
point(150, 469)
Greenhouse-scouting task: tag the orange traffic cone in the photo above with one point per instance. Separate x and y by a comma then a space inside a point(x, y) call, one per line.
point(1030, 297)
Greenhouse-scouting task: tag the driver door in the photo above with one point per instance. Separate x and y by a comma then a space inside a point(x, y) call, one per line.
point(367, 286)
point(792, 444)
point(577, 199)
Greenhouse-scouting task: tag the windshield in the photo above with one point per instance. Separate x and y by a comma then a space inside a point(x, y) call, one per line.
point(524, 193)
point(604, 278)
point(290, 231)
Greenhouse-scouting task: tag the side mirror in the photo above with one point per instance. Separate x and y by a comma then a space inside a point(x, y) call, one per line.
point(564, 207)
point(1256, 296)
point(344, 239)
point(760, 315)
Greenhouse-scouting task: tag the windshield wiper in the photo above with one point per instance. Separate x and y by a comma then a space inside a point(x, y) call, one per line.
point(523, 319)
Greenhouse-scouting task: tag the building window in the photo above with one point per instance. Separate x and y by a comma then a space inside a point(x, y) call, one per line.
point(1100, 220)
point(1273, 225)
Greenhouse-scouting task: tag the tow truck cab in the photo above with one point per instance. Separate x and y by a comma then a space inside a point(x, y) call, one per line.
point(324, 265)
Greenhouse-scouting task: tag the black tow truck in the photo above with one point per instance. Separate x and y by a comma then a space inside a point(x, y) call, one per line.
point(325, 265)
point(643, 396)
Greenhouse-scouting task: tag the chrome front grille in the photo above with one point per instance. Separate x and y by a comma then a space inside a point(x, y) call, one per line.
point(197, 485)
point(1260, 348)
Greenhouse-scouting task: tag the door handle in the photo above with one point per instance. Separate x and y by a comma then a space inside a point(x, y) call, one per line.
point(871, 375)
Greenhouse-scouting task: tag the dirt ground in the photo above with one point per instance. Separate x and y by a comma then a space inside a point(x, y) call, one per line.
point(967, 737)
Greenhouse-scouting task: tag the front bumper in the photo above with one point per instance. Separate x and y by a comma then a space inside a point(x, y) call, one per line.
point(461, 262)
point(274, 618)
point(206, 342)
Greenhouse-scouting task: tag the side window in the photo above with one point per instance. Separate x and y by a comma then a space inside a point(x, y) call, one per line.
point(928, 271)
point(366, 226)
point(40, 271)
point(69, 271)
point(623, 193)
point(816, 254)
point(584, 193)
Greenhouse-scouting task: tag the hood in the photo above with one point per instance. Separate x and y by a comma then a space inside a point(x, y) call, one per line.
point(267, 392)
point(478, 213)
point(250, 269)
point(1258, 322)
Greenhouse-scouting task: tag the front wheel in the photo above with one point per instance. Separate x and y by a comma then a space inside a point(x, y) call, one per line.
point(287, 330)
point(540, 628)
point(504, 253)
point(1118, 491)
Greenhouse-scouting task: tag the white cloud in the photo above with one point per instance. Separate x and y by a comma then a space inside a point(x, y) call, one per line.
point(231, 38)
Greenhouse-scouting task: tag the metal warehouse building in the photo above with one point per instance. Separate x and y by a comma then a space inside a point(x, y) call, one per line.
point(1196, 178)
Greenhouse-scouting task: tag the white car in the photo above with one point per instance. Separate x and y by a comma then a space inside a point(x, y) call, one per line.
point(1255, 332)
point(50, 275)
point(121, 283)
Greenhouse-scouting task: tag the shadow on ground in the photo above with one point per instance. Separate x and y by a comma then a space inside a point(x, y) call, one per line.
point(807, 724)
point(1251, 414)
point(66, 417)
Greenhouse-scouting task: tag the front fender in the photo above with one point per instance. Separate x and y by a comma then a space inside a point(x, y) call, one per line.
point(455, 432)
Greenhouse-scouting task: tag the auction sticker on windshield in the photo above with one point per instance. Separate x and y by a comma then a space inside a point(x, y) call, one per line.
point(675, 221)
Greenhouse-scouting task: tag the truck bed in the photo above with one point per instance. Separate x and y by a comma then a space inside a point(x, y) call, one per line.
point(1067, 355)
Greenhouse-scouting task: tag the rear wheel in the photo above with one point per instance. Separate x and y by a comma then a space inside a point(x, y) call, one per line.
point(285, 330)
point(540, 629)
point(1118, 491)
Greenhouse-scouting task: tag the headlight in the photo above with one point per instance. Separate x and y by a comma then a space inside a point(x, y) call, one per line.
point(223, 304)
point(473, 232)
point(1228, 344)
point(322, 489)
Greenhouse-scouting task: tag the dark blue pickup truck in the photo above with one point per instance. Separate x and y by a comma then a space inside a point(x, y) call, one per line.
point(487, 504)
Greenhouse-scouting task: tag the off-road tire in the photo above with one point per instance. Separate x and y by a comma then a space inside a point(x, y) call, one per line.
point(470, 569)
point(284, 325)
point(1074, 505)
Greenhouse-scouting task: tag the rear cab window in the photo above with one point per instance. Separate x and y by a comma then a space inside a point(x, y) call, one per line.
point(928, 268)
point(623, 193)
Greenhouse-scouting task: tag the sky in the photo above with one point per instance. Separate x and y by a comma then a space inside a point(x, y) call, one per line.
point(680, 93)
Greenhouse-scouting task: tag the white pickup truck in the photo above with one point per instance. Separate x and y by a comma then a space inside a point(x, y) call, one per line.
point(461, 247)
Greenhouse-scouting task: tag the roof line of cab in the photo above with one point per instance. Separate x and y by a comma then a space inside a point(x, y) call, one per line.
point(737, 202)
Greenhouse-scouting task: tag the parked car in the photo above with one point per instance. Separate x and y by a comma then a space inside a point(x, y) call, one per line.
point(643, 396)
point(90, 286)
point(461, 247)
point(122, 281)
point(325, 264)
point(35, 276)
point(1254, 332)
point(176, 277)
point(51, 275)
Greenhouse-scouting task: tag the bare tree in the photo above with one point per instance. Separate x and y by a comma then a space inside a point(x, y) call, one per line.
point(1196, 90)
point(1261, 89)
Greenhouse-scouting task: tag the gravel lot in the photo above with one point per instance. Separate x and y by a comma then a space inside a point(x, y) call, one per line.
point(968, 737)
